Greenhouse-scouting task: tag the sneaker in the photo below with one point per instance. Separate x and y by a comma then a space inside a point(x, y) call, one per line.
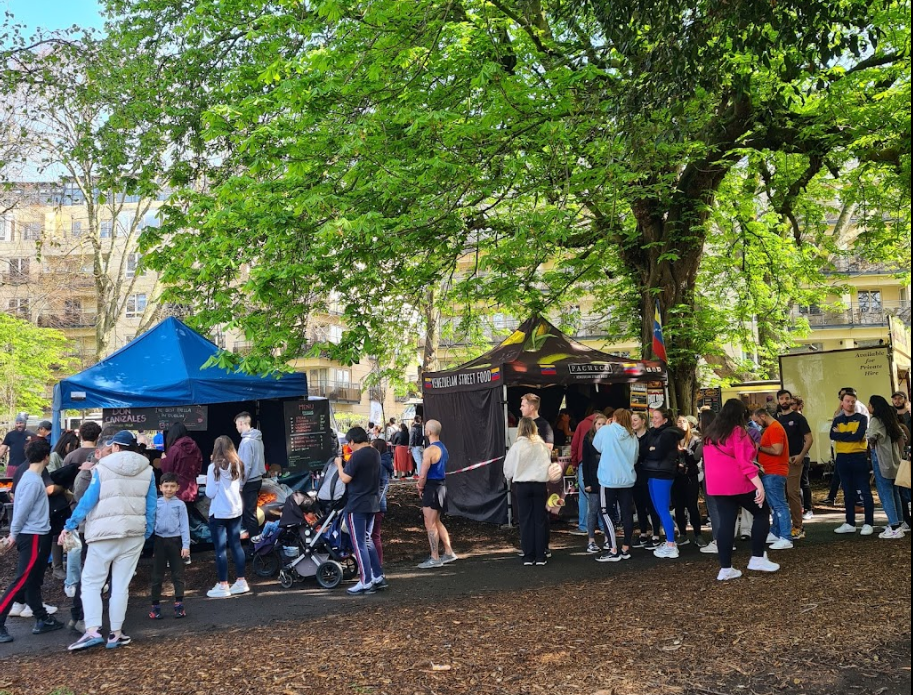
point(905, 527)
point(219, 591)
point(87, 641)
point(115, 642)
point(4, 635)
point(179, 611)
point(762, 564)
point(548, 554)
point(447, 558)
point(666, 552)
point(609, 556)
point(187, 560)
point(700, 542)
point(771, 538)
point(744, 537)
point(652, 544)
point(380, 583)
point(76, 625)
point(797, 534)
point(155, 613)
point(256, 539)
point(726, 574)
point(27, 611)
point(845, 528)
point(579, 532)
point(808, 515)
point(592, 547)
point(682, 541)
point(829, 502)
point(641, 542)
point(541, 563)
point(431, 563)
point(16, 610)
point(781, 544)
point(528, 563)
point(625, 554)
point(69, 590)
point(239, 587)
point(866, 530)
point(710, 548)
point(360, 589)
point(891, 533)
point(47, 625)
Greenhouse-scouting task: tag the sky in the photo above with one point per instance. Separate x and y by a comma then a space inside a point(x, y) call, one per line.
point(53, 14)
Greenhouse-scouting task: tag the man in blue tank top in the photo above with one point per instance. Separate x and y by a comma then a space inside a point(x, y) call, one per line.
point(433, 492)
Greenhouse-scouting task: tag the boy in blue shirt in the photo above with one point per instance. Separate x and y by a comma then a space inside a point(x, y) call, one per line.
point(171, 544)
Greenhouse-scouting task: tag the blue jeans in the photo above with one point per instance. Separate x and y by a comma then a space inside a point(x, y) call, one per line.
point(854, 477)
point(661, 496)
point(226, 534)
point(775, 489)
point(417, 453)
point(584, 504)
point(888, 494)
point(360, 528)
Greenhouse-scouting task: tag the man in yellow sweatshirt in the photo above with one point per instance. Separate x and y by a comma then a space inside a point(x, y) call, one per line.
point(850, 447)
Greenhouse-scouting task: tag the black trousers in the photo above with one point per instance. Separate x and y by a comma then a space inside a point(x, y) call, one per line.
point(34, 551)
point(644, 506)
point(685, 492)
point(728, 507)
point(624, 498)
point(166, 552)
point(533, 520)
point(249, 494)
point(806, 486)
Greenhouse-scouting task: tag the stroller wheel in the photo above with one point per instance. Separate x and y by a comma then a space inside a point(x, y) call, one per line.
point(286, 579)
point(265, 565)
point(329, 574)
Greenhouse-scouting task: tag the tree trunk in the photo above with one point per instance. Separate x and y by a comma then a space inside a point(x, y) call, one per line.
point(429, 356)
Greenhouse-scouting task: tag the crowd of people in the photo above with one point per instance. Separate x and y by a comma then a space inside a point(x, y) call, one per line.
point(95, 496)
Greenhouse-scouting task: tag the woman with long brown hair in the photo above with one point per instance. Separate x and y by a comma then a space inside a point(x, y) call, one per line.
point(618, 447)
point(224, 480)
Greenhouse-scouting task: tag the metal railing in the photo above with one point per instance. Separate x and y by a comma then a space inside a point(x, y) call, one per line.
point(73, 320)
point(335, 391)
point(854, 315)
point(858, 266)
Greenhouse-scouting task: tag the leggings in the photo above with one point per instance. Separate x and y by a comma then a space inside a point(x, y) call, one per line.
point(375, 536)
point(646, 514)
point(728, 507)
point(661, 496)
point(685, 493)
point(624, 498)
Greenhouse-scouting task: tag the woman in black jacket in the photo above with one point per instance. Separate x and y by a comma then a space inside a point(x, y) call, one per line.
point(659, 456)
point(687, 486)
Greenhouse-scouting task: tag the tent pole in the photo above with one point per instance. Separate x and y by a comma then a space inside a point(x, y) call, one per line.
point(510, 520)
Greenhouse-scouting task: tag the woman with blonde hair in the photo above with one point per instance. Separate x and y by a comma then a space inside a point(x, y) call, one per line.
point(618, 447)
point(224, 479)
point(589, 466)
point(526, 466)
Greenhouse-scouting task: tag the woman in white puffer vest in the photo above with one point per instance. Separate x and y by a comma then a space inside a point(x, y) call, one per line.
point(119, 511)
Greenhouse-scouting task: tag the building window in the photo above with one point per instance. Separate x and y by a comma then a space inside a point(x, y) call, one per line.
point(334, 334)
point(869, 301)
point(811, 310)
point(104, 229)
point(76, 228)
point(31, 231)
point(19, 271)
point(136, 305)
point(133, 260)
point(6, 229)
point(20, 308)
point(343, 377)
point(123, 224)
point(72, 307)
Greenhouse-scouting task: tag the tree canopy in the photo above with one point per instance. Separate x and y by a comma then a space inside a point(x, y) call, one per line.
point(364, 148)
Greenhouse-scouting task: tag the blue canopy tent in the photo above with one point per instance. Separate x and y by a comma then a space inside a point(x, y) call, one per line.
point(164, 367)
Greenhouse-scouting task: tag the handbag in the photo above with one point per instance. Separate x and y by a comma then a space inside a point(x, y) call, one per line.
point(554, 472)
point(903, 474)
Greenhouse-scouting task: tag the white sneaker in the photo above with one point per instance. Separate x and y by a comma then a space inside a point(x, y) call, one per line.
point(905, 527)
point(239, 587)
point(69, 590)
point(808, 515)
point(727, 574)
point(16, 610)
point(27, 611)
point(219, 591)
point(771, 538)
point(845, 528)
point(891, 534)
point(710, 548)
point(762, 564)
point(668, 552)
point(782, 544)
point(867, 530)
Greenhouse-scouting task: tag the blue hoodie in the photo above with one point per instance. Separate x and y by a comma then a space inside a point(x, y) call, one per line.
point(618, 449)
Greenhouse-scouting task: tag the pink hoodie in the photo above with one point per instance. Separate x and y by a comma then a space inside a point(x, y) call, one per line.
point(729, 467)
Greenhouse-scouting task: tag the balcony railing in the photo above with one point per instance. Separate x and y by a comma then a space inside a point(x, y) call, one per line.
point(341, 392)
point(67, 320)
point(15, 278)
point(858, 266)
point(854, 315)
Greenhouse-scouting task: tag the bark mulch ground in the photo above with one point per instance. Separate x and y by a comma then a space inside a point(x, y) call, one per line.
point(836, 619)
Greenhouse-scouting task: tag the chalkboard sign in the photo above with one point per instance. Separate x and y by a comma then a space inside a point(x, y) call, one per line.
point(308, 439)
point(194, 417)
point(710, 398)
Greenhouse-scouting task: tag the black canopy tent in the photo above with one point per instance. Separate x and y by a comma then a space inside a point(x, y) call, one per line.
point(472, 402)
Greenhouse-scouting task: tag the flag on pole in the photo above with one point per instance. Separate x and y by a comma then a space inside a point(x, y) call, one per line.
point(659, 345)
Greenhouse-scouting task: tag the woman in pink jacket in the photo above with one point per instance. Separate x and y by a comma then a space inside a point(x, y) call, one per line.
point(733, 480)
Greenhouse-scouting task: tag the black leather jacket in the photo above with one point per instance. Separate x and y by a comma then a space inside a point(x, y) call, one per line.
point(659, 451)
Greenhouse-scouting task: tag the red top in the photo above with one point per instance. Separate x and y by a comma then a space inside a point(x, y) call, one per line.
point(583, 429)
point(775, 464)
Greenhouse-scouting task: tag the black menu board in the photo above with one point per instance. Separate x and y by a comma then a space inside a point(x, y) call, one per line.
point(710, 398)
point(308, 438)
